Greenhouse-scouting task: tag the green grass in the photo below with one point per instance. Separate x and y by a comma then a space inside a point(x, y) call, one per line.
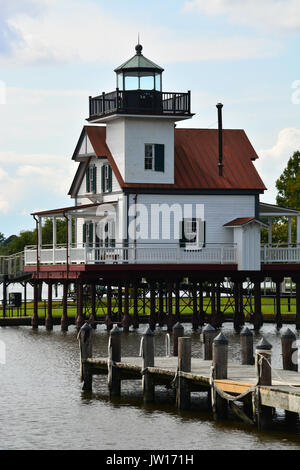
point(268, 307)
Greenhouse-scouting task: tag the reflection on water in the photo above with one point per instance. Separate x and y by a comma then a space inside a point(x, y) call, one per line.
point(43, 406)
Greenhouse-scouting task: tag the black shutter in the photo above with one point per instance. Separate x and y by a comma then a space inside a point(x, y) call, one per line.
point(109, 179)
point(94, 179)
point(194, 239)
point(84, 233)
point(103, 178)
point(106, 241)
point(182, 240)
point(90, 233)
point(159, 163)
point(87, 179)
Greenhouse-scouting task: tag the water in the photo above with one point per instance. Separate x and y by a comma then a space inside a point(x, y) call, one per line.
point(43, 407)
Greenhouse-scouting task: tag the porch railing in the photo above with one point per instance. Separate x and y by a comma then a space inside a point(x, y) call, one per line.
point(12, 265)
point(280, 254)
point(133, 254)
point(140, 102)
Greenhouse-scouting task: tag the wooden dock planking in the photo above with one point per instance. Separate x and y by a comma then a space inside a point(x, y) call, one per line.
point(240, 378)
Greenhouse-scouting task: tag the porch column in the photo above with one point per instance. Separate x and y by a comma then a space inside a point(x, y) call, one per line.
point(298, 229)
point(278, 317)
point(93, 316)
point(152, 319)
point(79, 318)
point(108, 319)
point(289, 230)
point(270, 230)
point(126, 317)
point(54, 237)
point(135, 305)
point(70, 238)
point(40, 238)
point(64, 318)
point(195, 318)
point(49, 318)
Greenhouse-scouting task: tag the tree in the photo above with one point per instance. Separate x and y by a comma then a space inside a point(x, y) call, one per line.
point(2, 238)
point(288, 184)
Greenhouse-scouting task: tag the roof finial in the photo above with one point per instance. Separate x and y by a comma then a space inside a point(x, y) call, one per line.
point(138, 47)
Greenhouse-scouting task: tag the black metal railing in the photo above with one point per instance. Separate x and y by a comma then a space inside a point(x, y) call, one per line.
point(140, 102)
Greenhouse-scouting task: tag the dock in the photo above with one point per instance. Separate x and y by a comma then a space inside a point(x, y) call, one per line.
point(250, 389)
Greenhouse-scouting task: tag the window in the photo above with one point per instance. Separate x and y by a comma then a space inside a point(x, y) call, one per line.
point(106, 173)
point(155, 157)
point(192, 232)
point(91, 179)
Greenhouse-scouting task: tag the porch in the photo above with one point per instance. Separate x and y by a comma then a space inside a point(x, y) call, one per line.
point(131, 254)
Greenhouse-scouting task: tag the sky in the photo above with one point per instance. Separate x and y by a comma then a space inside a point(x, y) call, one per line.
point(54, 54)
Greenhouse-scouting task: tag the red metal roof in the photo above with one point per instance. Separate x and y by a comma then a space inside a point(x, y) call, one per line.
point(196, 160)
point(239, 221)
point(62, 210)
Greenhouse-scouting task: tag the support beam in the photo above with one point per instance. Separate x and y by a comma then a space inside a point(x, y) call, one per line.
point(257, 317)
point(270, 230)
point(126, 318)
point(213, 320)
point(108, 318)
point(93, 316)
point(201, 308)
point(64, 319)
point(278, 317)
point(161, 315)
point(49, 318)
point(170, 320)
point(4, 302)
point(35, 317)
point(79, 317)
point(135, 320)
point(195, 319)
point(177, 300)
point(152, 319)
point(120, 302)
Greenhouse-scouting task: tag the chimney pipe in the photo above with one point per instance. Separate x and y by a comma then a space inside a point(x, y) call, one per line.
point(220, 164)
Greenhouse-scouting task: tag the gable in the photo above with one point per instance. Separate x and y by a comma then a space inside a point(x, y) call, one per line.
point(83, 148)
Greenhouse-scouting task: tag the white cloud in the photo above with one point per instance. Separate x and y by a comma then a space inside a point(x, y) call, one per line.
point(273, 161)
point(80, 32)
point(282, 15)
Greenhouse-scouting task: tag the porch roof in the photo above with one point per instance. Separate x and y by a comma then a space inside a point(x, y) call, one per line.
point(271, 210)
point(63, 210)
point(240, 221)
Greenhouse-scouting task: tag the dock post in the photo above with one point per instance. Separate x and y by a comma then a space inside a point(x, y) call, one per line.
point(178, 332)
point(148, 361)
point(208, 334)
point(246, 339)
point(183, 393)
point(49, 318)
point(35, 317)
point(289, 350)
point(220, 365)
point(152, 318)
point(64, 319)
point(114, 355)
point(264, 377)
point(86, 352)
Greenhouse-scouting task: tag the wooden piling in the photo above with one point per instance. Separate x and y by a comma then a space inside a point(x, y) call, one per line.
point(278, 317)
point(220, 366)
point(64, 319)
point(79, 317)
point(152, 319)
point(195, 319)
point(93, 316)
point(148, 361)
point(257, 317)
point(262, 413)
point(289, 362)
point(183, 394)
point(35, 317)
point(208, 334)
point(289, 350)
point(86, 352)
point(114, 355)
point(178, 332)
point(49, 318)
point(108, 320)
point(126, 318)
point(246, 341)
point(135, 320)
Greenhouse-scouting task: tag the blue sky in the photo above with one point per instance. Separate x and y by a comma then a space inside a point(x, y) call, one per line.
point(54, 54)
